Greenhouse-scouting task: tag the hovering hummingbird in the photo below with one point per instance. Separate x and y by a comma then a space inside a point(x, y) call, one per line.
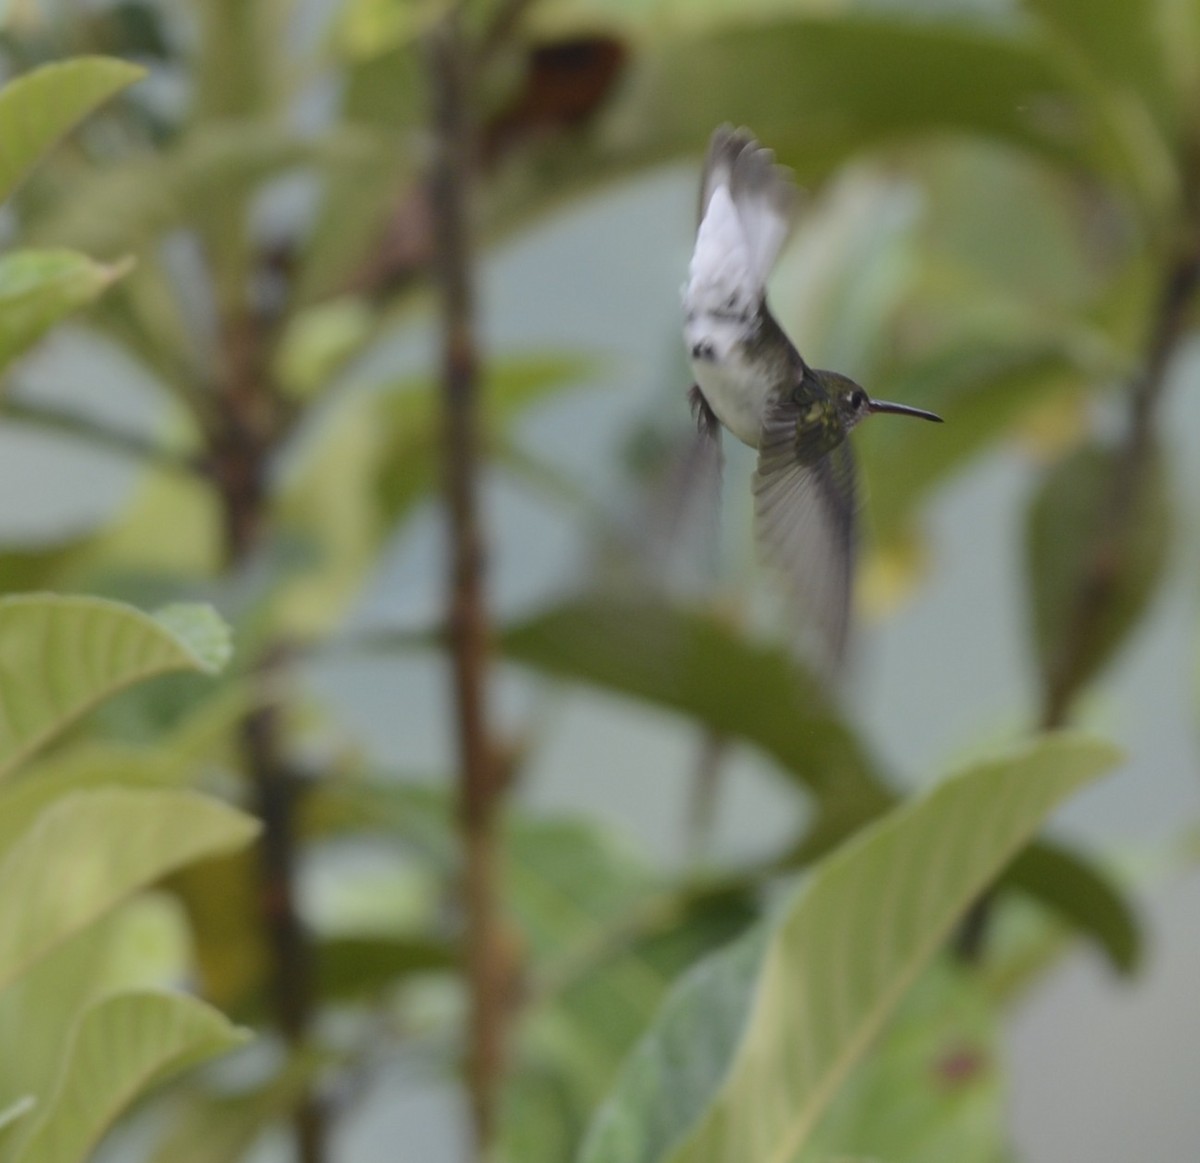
point(751, 379)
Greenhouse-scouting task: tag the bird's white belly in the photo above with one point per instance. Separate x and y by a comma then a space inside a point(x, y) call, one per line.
point(734, 393)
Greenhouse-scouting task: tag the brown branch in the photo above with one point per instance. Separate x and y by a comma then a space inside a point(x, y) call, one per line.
point(479, 785)
point(702, 801)
point(276, 795)
point(566, 83)
point(247, 429)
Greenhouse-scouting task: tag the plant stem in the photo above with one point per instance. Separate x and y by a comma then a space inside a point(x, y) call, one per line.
point(291, 959)
point(1128, 477)
point(479, 786)
point(702, 802)
point(250, 425)
point(99, 435)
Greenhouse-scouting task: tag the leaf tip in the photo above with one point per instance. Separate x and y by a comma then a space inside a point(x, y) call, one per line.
point(201, 631)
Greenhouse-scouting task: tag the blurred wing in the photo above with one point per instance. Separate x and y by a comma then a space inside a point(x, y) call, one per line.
point(805, 517)
point(679, 528)
point(697, 483)
point(706, 457)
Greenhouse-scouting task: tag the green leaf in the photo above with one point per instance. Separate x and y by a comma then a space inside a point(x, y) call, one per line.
point(238, 65)
point(686, 662)
point(201, 630)
point(1119, 40)
point(40, 107)
point(87, 767)
point(931, 1091)
point(123, 1045)
point(127, 208)
point(16, 1110)
point(89, 850)
point(40, 287)
point(230, 947)
point(385, 94)
point(220, 1128)
point(676, 1069)
point(374, 461)
point(204, 739)
point(139, 945)
point(980, 390)
point(753, 1045)
point(1066, 534)
point(354, 967)
point(409, 415)
point(604, 940)
point(820, 89)
point(367, 28)
point(60, 656)
point(1082, 897)
point(1116, 52)
point(318, 342)
point(418, 815)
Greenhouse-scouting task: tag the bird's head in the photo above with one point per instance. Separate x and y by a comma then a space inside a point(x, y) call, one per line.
point(854, 405)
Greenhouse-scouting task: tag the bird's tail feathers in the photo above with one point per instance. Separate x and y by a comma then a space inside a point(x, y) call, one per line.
point(747, 205)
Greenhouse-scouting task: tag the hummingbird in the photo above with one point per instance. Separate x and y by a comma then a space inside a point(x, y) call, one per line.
point(751, 380)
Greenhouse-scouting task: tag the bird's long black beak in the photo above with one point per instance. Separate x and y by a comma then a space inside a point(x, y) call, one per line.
point(904, 410)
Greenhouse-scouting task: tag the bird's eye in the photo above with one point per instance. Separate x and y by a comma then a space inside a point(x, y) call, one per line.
point(858, 399)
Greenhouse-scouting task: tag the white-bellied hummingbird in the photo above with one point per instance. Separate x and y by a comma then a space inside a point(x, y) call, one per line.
point(751, 379)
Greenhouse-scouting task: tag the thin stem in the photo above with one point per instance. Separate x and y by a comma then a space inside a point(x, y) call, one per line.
point(248, 429)
point(468, 631)
point(291, 955)
point(98, 435)
point(702, 802)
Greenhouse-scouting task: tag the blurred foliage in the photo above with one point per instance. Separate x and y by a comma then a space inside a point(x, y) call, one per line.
point(751, 1048)
point(1065, 519)
point(74, 846)
point(1005, 211)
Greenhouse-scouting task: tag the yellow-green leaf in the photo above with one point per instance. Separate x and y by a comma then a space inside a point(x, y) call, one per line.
point(16, 1110)
point(40, 287)
point(932, 1091)
point(754, 1044)
point(123, 1045)
point(89, 850)
point(40, 107)
point(1067, 521)
point(60, 656)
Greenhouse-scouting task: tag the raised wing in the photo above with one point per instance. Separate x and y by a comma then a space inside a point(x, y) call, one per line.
point(747, 205)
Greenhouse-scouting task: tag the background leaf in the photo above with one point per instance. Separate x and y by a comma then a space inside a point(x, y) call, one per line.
point(980, 391)
point(751, 1048)
point(40, 287)
point(16, 1110)
point(89, 850)
point(931, 1091)
point(686, 662)
point(40, 107)
point(1066, 558)
point(60, 656)
point(123, 1045)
